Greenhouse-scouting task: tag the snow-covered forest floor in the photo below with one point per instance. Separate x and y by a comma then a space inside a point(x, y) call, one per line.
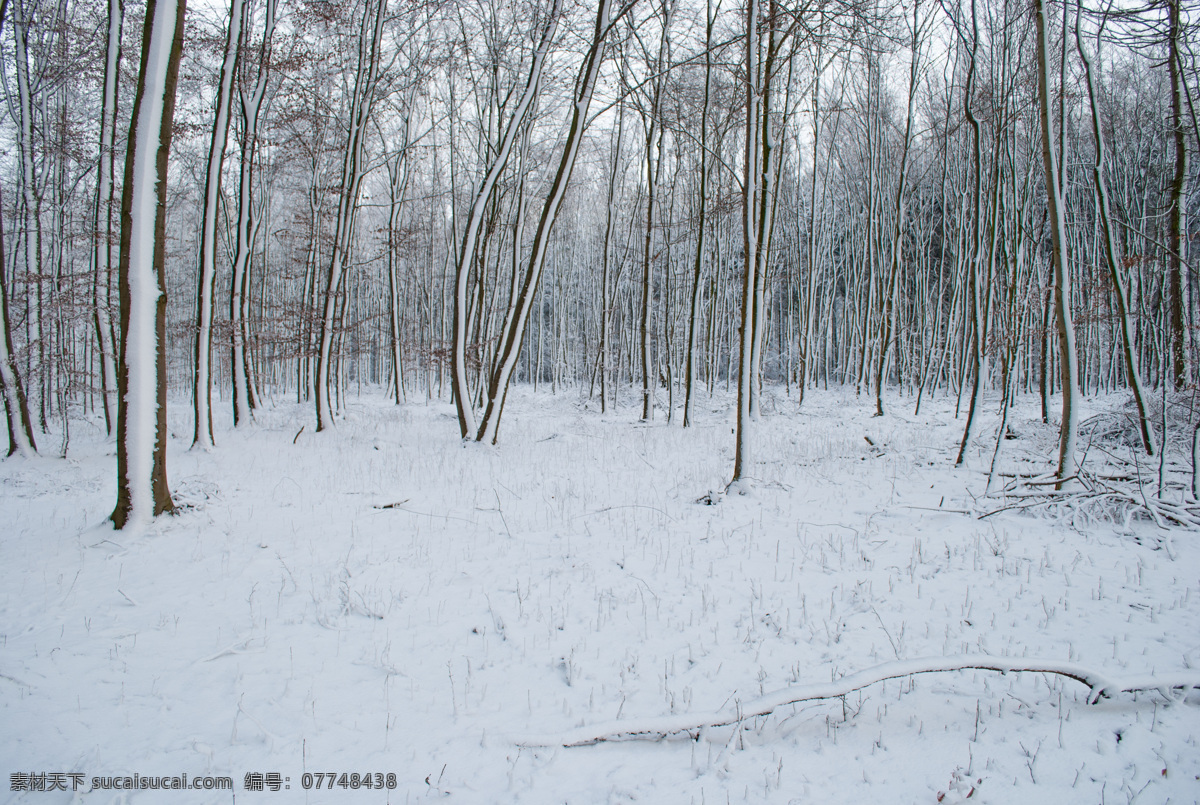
point(383, 598)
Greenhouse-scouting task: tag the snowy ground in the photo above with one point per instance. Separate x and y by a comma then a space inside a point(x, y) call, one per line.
point(385, 599)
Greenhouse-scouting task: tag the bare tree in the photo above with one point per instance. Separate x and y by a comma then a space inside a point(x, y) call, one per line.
point(107, 229)
point(1121, 295)
point(202, 385)
point(362, 99)
point(475, 219)
point(893, 276)
point(513, 329)
point(1068, 360)
point(759, 193)
point(251, 104)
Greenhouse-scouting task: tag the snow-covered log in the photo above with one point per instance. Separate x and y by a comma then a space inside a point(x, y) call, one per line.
point(1099, 685)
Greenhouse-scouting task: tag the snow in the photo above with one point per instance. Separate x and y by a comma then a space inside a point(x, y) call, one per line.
point(385, 598)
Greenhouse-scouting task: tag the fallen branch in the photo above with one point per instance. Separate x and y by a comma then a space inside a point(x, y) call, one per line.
point(655, 728)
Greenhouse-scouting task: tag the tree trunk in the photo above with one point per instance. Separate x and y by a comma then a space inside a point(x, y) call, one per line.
point(701, 220)
point(202, 378)
point(361, 102)
point(1110, 252)
point(893, 278)
point(142, 491)
point(16, 407)
point(1176, 236)
point(104, 238)
point(247, 227)
point(475, 220)
point(513, 331)
point(1069, 367)
point(759, 189)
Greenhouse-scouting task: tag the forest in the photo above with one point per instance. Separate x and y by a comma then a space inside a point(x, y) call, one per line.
point(784, 304)
point(441, 199)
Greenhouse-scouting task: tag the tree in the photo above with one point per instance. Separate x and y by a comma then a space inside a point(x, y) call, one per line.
point(513, 329)
point(475, 218)
point(701, 214)
point(1068, 360)
point(362, 99)
point(1176, 231)
point(1133, 374)
point(104, 237)
point(16, 407)
point(760, 189)
point(893, 277)
point(202, 385)
point(142, 491)
point(247, 224)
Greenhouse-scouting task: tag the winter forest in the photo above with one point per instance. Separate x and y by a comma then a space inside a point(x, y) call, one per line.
point(632, 400)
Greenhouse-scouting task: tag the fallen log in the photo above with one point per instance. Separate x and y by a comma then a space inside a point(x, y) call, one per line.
point(1098, 684)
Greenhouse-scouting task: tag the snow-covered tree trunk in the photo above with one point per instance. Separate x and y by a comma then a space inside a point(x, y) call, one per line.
point(1068, 360)
point(513, 330)
point(654, 131)
point(142, 489)
point(202, 385)
point(247, 225)
point(476, 217)
point(1177, 236)
point(16, 407)
point(361, 101)
point(760, 190)
point(399, 168)
point(975, 312)
point(31, 206)
point(887, 323)
point(1109, 243)
point(606, 258)
point(105, 236)
point(701, 215)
